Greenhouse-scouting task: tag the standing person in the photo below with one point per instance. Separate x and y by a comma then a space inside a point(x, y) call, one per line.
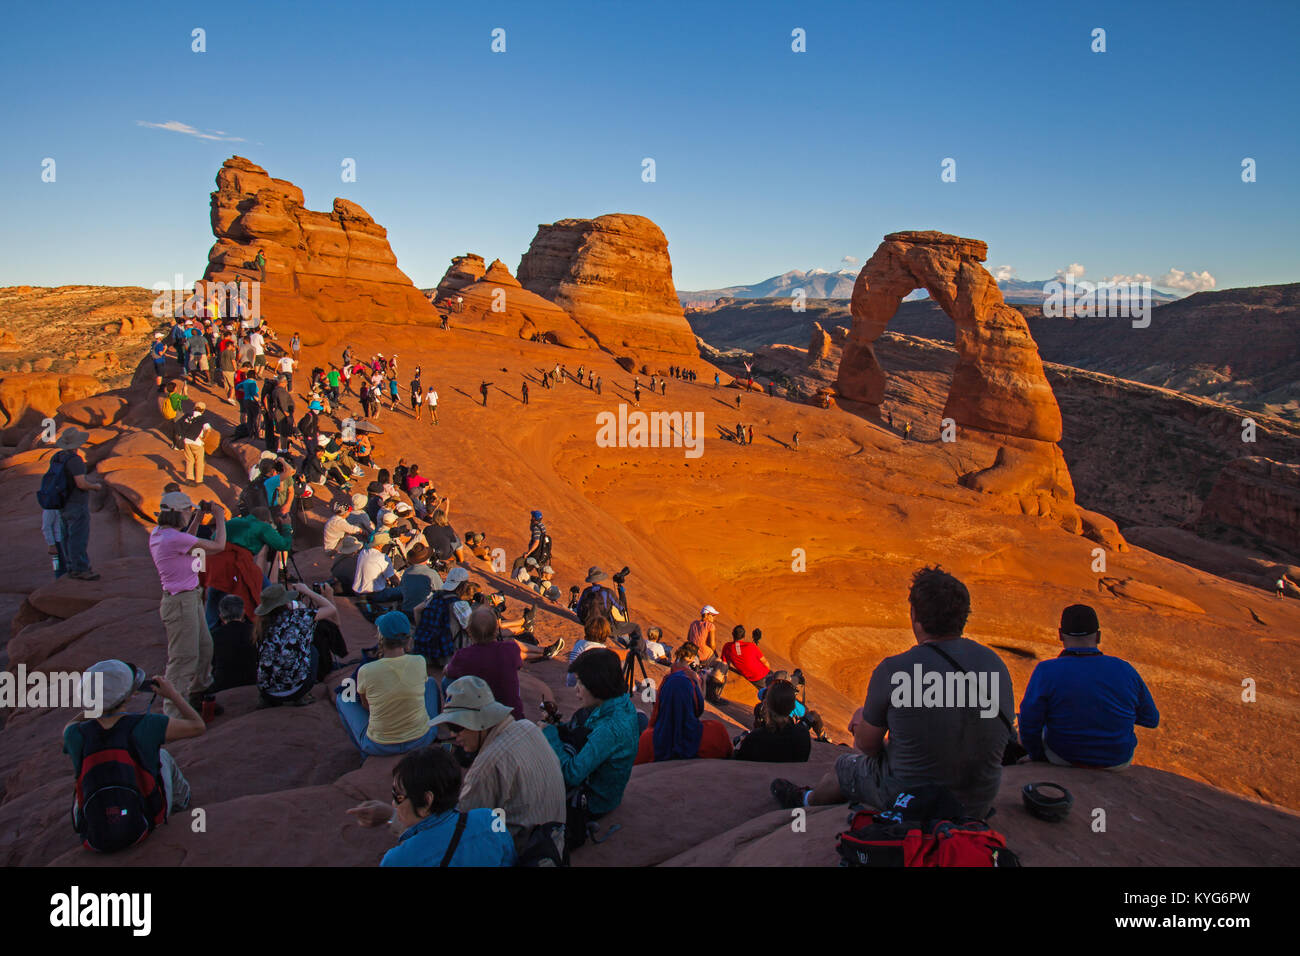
point(717, 380)
point(260, 262)
point(196, 346)
point(738, 400)
point(286, 366)
point(366, 399)
point(749, 435)
point(443, 322)
point(226, 365)
point(65, 489)
point(460, 303)
point(525, 391)
point(483, 389)
point(636, 392)
point(431, 399)
point(1281, 587)
point(194, 430)
point(907, 431)
point(332, 380)
point(663, 386)
point(598, 381)
point(295, 346)
point(392, 393)
point(174, 549)
point(158, 353)
point(740, 433)
point(417, 399)
point(249, 410)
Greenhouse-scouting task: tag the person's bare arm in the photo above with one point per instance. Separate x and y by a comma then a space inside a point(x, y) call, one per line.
point(326, 610)
point(868, 737)
point(189, 723)
point(218, 542)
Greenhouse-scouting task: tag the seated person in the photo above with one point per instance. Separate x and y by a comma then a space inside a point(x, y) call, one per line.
point(742, 655)
point(288, 654)
point(496, 661)
point(442, 537)
point(388, 710)
point(595, 633)
point(339, 526)
point(344, 569)
point(376, 578)
point(1079, 709)
point(958, 746)
point(234, 655)
point(526, 571)
point(145, 732)
point(597, 754)
point(801, 714)
point(676, 731)
point(359, 517)
point(778, 737)
point(419, 580)
point(544, 584)
point(513, 766)
point(426, 785)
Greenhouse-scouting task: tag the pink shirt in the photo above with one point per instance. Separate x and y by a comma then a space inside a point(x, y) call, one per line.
point(170, 549)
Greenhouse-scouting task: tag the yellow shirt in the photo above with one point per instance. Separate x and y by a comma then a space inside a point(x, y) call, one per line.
point(394, 688)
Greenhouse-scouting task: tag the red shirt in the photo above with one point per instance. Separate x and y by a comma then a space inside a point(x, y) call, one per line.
point(745, 658)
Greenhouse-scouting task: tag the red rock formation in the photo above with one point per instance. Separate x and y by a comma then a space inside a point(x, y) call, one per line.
point(1261, 497)
point(613, 275)
point(26, 398)
point(464, 270)
point(819, 345)
point(998, 385)
point(497, 303)
point(320, 267)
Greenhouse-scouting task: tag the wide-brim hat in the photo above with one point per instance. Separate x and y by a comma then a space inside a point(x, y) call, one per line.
point(470, 704)
point(595, 574)
point(274, 596)
point(349, 545)
point(417, 555)
point(72, 437)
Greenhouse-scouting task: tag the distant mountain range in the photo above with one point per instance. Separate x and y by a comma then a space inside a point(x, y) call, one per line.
point(823, 284)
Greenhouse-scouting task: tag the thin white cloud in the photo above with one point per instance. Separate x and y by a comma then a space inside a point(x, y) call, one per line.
point(1003, 273)
point(1187, 281)
point(849, 261)
point(1073, 269)
point(175, 126)
point(1137, 277)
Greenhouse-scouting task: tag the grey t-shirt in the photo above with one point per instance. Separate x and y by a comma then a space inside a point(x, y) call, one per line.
point(945, 729)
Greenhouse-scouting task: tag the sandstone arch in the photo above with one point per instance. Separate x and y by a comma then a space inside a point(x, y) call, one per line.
point(998, 384)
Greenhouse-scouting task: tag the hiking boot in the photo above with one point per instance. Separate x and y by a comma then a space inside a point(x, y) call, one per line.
point(530, 615)
point(549, 652)
point(788, 794)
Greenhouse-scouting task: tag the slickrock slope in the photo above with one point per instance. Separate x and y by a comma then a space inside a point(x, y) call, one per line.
point(497, 303)
point(613, 275)
point(321, 267)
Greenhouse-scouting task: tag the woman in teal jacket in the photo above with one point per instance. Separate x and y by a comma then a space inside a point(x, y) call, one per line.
point(603, 761)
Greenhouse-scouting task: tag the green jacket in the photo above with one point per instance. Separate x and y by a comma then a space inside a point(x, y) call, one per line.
point(605, 760)
point(251, 534)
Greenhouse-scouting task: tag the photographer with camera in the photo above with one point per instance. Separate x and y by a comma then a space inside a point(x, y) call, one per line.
point(172, 545)
point(376, 579)
point(598, 599)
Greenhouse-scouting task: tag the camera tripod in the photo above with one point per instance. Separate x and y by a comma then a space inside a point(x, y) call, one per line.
point(631, 663)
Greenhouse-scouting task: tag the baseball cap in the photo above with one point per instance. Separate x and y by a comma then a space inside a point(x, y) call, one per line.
point(531, 562)
point(708, 609)
point(455, 578)
point(547, 569)
point(394, 626)
point(1079, 620)
point(537, 516)
point(175, 501)
point(120, 681)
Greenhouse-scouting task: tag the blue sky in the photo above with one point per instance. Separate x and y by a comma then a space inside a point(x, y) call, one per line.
point(1125, 162)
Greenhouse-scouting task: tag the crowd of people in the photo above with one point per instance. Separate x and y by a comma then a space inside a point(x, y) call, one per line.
point(479, 784)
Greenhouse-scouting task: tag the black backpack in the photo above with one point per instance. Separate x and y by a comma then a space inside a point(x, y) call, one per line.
point(253, 496)
point(543, 554)
point(56, 485)
point(119, 802)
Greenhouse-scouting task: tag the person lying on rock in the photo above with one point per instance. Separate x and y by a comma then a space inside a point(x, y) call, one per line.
point(1079, 709)
point(511, 766)
point(386, 709)
point(937, 732)
point(431, 832)
point(676, 730)
point(778, 737)
point(597, 751)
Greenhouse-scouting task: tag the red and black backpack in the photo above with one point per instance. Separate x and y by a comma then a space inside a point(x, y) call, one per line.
point(925, 827)
point(119, 802)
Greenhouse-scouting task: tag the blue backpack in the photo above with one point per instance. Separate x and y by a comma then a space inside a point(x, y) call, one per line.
point(55, 486)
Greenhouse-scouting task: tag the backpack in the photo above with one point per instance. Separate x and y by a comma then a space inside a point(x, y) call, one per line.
point(543, 554)
point(118, 801)
point(545, 846)
point(253, 496)
point(434, 636)
point(925, 827)
point(56, 486)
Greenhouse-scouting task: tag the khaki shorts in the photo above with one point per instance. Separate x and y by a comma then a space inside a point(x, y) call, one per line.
point(865, 779)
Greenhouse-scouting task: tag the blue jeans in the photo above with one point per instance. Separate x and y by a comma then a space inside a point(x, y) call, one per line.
point(76, 538)
point(356, 719)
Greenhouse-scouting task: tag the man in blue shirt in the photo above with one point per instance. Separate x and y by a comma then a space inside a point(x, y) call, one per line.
point(1079, 709)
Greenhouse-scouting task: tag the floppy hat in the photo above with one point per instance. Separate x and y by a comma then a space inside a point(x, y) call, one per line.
point(390, 519)
point(595, 574)
point(359, 501)
point(417, 555)
point(120, 681)
point(455, 578)
point(403, 508)
point(72, 437)
point(380, 540)
point(316, 407)
point(273, 596)
point(349, 545)
point(394, 627)
point(470, 704)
